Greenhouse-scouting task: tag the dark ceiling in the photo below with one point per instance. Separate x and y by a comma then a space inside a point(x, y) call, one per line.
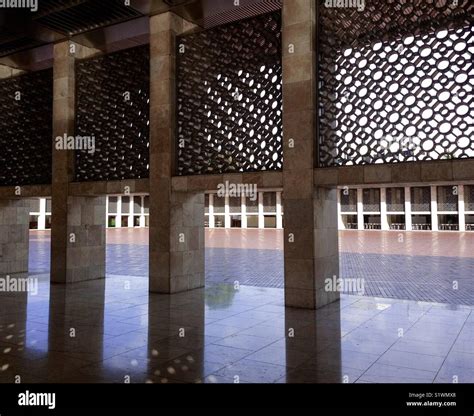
point(26, 36)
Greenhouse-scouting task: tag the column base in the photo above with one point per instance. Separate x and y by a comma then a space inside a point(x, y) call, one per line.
point(82, 257)
point(14, 236)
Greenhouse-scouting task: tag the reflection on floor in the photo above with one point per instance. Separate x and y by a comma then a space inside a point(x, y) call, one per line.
point(416, 265)
point(112, 330)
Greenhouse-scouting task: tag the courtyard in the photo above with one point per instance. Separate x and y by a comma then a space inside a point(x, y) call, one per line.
point(419, 266)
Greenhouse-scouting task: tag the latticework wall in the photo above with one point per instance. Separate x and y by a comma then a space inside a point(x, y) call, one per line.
point(469, 197)
point(395, 199)
point(112, 104)
point(26, 106)
point(229, 93)
point(396, 82)
point(349, 200)
point(421, 198)
point(448, 198)
point(371, 200)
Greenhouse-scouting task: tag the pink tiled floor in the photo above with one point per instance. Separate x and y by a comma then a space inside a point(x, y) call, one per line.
point(416, 243)
point(217, 238)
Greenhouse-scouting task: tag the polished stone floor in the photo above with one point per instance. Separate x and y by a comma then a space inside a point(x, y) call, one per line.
point(420, 266)
point(112, 330)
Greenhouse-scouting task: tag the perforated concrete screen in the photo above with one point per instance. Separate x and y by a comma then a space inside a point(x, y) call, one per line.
point(26, 129)
point(229, 109)
point(112, 105)
point(396, 81)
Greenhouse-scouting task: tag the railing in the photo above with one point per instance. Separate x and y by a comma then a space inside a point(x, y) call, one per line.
point(448, 227)
point(421, 227)
point(397, 226)
point(372, 226)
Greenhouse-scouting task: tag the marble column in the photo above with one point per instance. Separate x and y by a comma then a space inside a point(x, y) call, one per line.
point(77, 224)
point(176, 218)
point(310, 214)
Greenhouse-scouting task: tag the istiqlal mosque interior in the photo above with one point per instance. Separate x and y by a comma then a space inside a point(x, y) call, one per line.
point(226, 192)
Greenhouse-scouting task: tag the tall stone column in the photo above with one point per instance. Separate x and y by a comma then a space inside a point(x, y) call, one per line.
point(176, 218)
point(14, 221)
point(326, 245)
point(310, 214)
point(77, 224)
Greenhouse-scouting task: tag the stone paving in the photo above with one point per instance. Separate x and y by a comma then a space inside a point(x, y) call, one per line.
point(422, 274)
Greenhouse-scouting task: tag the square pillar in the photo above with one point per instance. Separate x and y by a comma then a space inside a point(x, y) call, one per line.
point(261, 217)
point(42, 214)
point(212, 222)
point(14, 236)
point(360, 209)
point(76, 246)
point(85, 253)
point(118, 218)
point(461, 208)
point(340, 222)
point(130, 212)
point(310, 215)
point(434, 209)
point(227, 221)
point(408, 218)
point(142, 212)
point(326, 244)
point(177, 258)
point(279, 212)
point(383, 209)
point(63, 163)
point(176, 218)
point(243, 211)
